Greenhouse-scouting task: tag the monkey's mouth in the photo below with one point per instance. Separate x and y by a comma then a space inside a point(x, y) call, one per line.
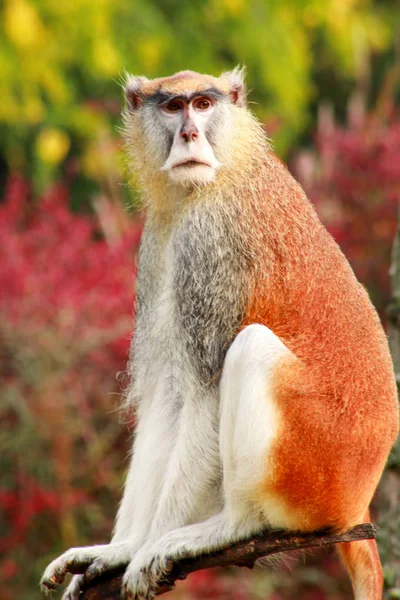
point(190, 164)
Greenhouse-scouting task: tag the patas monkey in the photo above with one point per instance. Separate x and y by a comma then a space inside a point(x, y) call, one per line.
point(261, 375)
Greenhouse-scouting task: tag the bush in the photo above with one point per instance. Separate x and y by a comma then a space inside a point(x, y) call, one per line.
point(66, 320)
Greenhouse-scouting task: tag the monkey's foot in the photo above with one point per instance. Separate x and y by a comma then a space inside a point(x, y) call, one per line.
point(152, 564)
point(143, 576)
point(88, 562)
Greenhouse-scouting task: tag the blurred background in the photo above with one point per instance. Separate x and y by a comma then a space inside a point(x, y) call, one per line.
point(323, 77)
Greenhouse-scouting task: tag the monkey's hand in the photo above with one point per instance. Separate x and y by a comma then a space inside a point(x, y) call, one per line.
point(89, 562)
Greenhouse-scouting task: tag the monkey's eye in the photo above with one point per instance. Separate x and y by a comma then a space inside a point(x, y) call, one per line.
point(173, 106)
point(202, 104)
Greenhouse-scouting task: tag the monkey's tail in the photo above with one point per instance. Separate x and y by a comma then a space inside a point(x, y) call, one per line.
point(363, 564)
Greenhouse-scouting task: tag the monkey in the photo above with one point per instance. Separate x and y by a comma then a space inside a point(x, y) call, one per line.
point(260, 373)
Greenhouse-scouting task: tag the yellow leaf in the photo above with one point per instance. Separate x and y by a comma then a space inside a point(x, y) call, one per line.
point(235, 8)
point(52, 145)
point(106, 58)
point(22, 24)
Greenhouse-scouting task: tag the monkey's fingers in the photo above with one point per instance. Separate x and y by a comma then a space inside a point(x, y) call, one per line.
point(75, 560)
point(114, 557)
point(89, 561)
point(74, 588)
point(99, 567)
point(54, 575)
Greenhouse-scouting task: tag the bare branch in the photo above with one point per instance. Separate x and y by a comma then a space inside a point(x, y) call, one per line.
point(242, 554)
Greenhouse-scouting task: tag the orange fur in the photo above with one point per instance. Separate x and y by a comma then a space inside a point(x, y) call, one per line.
point(362, 562)
point(338, 399)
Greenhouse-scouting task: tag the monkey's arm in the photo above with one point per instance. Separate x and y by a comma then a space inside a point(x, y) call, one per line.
point(150, 454)
point(151, 450)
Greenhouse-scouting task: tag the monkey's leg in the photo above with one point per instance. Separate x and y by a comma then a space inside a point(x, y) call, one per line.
point(363, 564)
point(191, 490)
point(248, 425)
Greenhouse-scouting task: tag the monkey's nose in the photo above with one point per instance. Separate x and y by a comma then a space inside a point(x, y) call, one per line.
point(189, 134)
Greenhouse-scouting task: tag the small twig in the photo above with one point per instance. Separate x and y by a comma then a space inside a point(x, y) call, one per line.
point(242, 554)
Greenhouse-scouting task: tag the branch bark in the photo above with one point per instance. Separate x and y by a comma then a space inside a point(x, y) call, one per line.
point(242, 554)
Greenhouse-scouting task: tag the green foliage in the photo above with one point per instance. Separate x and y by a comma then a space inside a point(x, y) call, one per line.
point(61, 64)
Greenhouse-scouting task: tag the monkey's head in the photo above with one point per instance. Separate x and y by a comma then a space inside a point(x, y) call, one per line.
point(181, 125)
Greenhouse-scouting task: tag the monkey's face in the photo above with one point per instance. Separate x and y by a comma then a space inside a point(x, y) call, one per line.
point(189, 122)
point(182, 119)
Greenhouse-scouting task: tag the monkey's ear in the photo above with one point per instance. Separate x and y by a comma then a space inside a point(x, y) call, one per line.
point(237, 85)
point(133, 88)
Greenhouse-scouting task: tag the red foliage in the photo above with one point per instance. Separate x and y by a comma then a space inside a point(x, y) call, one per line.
point(66, 318)
point(58, 271)
point(213, 584)
point(20, 506)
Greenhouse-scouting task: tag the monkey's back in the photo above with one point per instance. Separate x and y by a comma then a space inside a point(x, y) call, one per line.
point(339, 393)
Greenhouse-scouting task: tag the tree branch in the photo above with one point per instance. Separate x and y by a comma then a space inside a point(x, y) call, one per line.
point(242, 554)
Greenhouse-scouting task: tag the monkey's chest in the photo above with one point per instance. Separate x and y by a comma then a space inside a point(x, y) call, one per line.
point(192, 296)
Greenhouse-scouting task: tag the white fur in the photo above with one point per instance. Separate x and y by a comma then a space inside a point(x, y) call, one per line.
point(175, 503)
point(197, 150)
point(249, 419)
point(248, 424)
point(192, 176)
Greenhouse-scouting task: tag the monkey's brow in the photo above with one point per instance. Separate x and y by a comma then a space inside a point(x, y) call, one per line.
point(161, 97)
